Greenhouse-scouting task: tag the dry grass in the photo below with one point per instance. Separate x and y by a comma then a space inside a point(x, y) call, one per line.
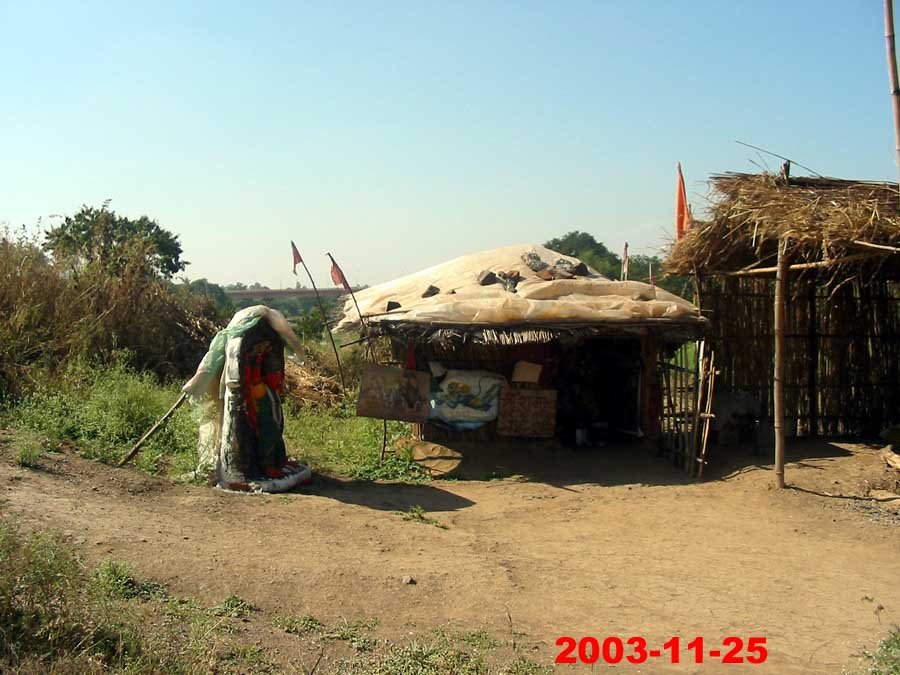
point(823, 219)
point(50, 314)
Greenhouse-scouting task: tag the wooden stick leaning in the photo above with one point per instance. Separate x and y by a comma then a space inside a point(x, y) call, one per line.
point(707, 415)
point(160, 423)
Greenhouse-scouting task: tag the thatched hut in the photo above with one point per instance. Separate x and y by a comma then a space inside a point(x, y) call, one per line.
point(568, 353)
point(831, 247)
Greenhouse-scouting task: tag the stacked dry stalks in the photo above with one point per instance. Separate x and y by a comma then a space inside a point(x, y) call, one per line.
point(306, 384)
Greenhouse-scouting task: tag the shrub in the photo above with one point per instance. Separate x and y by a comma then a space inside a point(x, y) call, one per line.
point(29, 449)
point(105, 410)
point(46, 609)
point(50, 314)
point(886, 659)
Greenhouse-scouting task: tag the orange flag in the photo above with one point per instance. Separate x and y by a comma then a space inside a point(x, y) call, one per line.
point(683, 219)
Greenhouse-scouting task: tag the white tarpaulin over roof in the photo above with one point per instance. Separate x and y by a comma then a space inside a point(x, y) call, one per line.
point(588, 298)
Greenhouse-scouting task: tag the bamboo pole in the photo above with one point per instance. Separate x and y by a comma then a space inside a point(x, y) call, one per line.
point(806, 266)
point(892, 71)
point(778, 379)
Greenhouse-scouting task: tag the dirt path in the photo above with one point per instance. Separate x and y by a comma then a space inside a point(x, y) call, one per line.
point(581, 555)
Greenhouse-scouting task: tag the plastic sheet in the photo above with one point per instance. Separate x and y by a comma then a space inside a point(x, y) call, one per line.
point(461, 299)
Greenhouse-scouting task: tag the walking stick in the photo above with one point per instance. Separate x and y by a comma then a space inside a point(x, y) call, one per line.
point(156, 427)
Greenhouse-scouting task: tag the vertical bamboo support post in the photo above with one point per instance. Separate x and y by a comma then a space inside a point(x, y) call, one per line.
point(778, 379)
point(813, 356)
point(892, 71)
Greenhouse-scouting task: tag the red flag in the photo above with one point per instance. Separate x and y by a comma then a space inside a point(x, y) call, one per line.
point(625, 263)
point(297, 258)
point(683, 219)
point(337, 276)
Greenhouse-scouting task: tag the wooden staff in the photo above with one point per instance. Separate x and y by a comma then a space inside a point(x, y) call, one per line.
point(778, 379)
point(156, 427)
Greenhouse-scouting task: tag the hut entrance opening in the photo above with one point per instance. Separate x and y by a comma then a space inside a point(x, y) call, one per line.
point(599, 384)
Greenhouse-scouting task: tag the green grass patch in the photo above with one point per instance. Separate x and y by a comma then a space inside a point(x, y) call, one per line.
point(439, 653)
point(116, 579)
point(353, 633)
point(417, 514)
point(29, 449)
point(55, 620)
point(886, 659)
point(336, 442)
point(299, 625)
point(234, 607)
point(103, 411)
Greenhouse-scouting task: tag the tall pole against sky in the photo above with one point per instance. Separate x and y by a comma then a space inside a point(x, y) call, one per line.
point(892, 71)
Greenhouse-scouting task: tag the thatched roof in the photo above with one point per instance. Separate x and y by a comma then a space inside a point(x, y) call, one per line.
point(535, 293)
point(839, 223)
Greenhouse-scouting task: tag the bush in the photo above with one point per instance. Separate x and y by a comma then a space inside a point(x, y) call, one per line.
point(29, 449)
point(50, 314)
point(886, 659)
point(105, 410)
point(46, 608)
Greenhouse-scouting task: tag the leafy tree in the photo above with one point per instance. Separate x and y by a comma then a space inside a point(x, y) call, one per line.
point(99, 236)
point(583, 246)
point(214, 293)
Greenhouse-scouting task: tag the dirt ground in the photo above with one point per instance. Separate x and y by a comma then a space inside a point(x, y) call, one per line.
point(609, 542)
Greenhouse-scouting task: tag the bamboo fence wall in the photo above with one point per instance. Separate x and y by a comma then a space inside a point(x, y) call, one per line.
point(842, 343)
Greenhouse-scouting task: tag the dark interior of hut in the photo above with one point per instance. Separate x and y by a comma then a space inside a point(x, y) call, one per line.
point(585, 394)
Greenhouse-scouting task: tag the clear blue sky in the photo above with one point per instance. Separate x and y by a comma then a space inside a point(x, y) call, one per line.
point(399, 134)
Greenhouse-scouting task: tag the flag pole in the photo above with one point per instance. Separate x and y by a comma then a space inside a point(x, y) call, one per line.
point(362, 319)
point(365, 326)
point(324, 314)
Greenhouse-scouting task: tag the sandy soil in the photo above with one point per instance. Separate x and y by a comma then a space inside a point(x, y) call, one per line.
point(610, 543)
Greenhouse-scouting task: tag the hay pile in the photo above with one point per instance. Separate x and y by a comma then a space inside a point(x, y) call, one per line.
point(824, 219)
point(307, 383)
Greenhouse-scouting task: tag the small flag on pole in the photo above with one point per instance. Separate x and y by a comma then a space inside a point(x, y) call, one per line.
point(337, 276)
point(625, 263)
point(683, 218)
point(297, 259)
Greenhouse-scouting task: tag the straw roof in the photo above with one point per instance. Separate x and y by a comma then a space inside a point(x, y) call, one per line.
point(842, 223)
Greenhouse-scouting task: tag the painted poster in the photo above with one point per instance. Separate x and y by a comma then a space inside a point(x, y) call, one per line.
point(394, 394)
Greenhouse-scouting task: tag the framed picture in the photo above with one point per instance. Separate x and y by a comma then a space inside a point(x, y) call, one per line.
point(390, 393)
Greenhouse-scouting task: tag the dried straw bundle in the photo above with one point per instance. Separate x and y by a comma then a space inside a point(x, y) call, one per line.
point(824, 219)
point(309, 386)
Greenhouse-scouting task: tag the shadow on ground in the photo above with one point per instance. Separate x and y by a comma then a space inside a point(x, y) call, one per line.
point(547, 462)
point(619, 463)
point(386, 496)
